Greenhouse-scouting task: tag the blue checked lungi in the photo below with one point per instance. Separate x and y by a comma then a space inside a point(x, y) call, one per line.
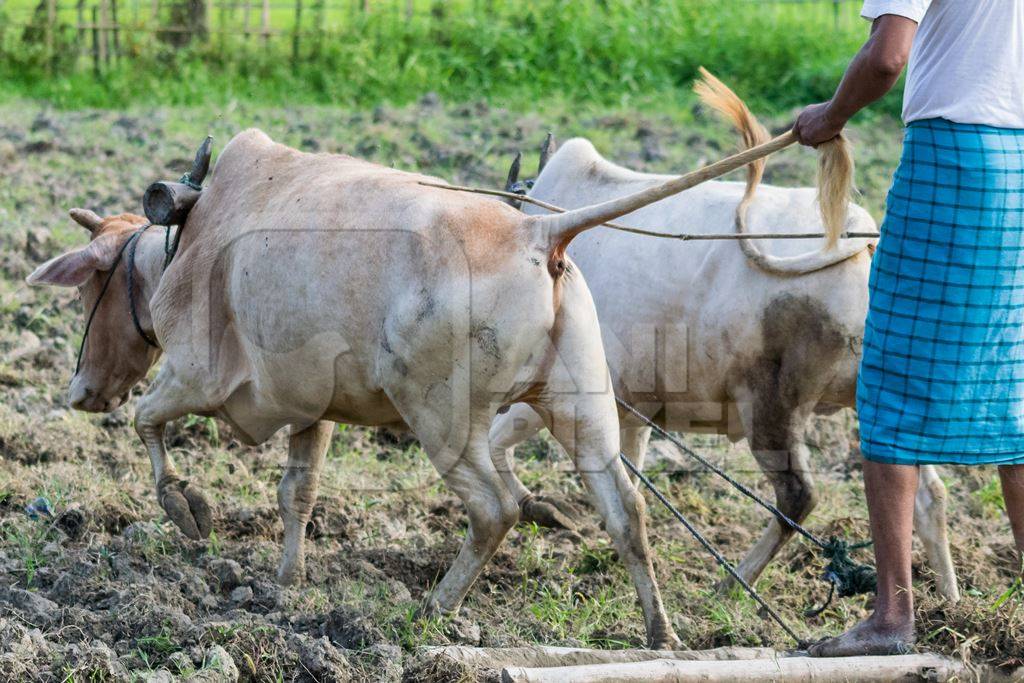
point(942, 375)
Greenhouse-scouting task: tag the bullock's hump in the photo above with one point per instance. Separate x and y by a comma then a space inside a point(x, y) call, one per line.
point(244, 144)
point(578, 157)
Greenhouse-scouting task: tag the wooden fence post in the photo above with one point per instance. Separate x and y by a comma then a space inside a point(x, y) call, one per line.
point(80, 13)
point(104, 33)
point(96, 40)
point(51, 21)
point(265, 24)
point(116, 29)
point(222, 19)
point(296, 34)
point(321, 18)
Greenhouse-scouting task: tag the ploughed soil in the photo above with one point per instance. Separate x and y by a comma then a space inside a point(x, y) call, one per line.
point(96, 584)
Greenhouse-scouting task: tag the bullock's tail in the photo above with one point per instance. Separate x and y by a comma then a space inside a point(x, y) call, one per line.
point(835, 179)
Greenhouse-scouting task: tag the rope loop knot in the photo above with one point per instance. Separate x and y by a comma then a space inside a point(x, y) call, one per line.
point(844, 575)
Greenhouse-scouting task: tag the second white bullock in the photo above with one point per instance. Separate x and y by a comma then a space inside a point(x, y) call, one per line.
point(743, 338)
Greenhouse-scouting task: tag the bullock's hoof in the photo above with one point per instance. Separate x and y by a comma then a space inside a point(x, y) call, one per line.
point(727, 585)
point(547, 512)
point(291, 576)
point(668, 641)
point(188, 508)
point(431, 609)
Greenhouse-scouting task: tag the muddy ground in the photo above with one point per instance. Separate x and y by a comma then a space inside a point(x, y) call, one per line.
point(105, 588)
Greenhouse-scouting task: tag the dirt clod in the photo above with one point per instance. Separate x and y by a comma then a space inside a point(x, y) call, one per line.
point(229, 574)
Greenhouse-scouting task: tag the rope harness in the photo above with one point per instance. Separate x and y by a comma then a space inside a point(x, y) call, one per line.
point(129, 247)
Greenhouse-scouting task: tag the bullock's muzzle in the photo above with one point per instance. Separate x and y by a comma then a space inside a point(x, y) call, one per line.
point(83, 397)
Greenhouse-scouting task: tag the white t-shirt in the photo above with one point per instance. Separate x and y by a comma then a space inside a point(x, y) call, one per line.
point(967, 62)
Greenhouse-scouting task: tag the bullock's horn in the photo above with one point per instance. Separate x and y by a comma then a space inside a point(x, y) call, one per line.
point(512, 183)
point(201, 165)
point(87, 219)
point(546, 150)
point(513, 173)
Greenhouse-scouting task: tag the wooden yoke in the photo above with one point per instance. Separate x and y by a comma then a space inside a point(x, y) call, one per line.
point(168, 203)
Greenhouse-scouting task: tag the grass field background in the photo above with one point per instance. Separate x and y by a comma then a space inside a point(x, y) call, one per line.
point(781, 54)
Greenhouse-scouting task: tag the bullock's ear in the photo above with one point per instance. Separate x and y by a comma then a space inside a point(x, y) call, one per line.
point(75, 267)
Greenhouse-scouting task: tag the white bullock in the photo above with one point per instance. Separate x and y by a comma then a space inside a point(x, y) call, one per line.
point(313, 289)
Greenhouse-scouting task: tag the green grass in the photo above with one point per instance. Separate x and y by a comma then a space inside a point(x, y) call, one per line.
point(615, 52)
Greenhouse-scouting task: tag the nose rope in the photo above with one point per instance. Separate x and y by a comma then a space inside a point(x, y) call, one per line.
point(106, 285)
point(130, 280)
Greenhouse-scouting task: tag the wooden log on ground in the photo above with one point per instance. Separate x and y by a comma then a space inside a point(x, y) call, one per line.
point(540, 656)
point(791, 669)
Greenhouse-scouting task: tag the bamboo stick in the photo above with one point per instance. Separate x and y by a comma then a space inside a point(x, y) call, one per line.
point(682, 236)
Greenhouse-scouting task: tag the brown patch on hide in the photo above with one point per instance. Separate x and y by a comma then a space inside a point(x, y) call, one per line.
point(801, 341)
point(122, 223)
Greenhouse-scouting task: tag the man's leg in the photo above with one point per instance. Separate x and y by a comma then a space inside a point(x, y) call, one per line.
point(890, 491)
point(1013, 494)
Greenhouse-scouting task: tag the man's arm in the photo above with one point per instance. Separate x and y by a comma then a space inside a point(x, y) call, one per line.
point(871, 74)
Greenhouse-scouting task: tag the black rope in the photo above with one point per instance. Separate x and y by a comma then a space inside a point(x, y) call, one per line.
point(724, 563)
point(779, 514)
point(844, 576)
point(170, 250)
point(130, 277)
point(187, 180)
point(95, 306)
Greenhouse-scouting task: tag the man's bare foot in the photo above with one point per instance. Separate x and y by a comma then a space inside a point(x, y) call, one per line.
point(868, 638)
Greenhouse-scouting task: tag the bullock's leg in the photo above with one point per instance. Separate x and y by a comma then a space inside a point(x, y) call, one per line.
point(186, 505)
point(296, 495)
point(466, 467)
point(492, 512)
point(775, 434)
point(582, 427)
point(508, 430)
point(634, 445)
point(930, 523)
point(513, 427)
